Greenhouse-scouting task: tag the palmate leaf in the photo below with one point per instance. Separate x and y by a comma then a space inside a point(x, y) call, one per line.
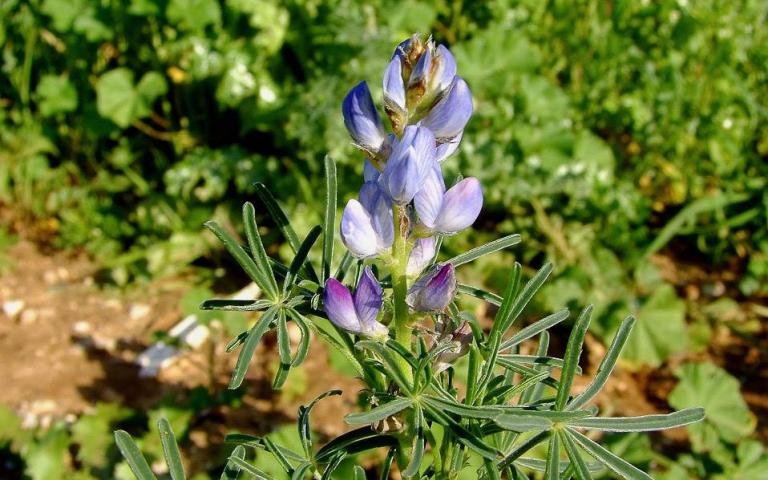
point(417, 449)
point(464, 411)
point(243, 465)
point(467, 438)
point(257, 249)
point(300, 259)
point(552, 472)
point(305, 433)
point(525, 296)
point(535, 328)
point(645, 423)
point(236, 305)
point(580, 468)
point(518, 452)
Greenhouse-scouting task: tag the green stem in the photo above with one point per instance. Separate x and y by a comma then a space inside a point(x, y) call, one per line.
point(399, 281)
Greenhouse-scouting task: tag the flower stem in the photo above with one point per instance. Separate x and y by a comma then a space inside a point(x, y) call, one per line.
point(399, 282)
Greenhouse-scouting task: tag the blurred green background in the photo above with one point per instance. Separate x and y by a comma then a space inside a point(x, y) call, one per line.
point(625, 140)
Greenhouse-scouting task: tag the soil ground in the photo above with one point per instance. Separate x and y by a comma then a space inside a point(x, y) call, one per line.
point(67, 344)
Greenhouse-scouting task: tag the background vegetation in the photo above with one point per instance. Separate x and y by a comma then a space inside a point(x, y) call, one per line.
point(625, 140)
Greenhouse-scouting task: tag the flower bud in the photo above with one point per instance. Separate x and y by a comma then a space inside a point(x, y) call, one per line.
point(363, 122)
point(412, 157)
point(451, 113)
point(355, 313)
point(434, 290)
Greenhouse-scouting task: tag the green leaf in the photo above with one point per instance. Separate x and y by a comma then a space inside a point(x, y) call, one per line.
point(171, 450)
point(417, 449)
point(534, 393)
point(531, 442)
point(305, 433)
point(133, 456)
point(645, 423)
point(231, 470)
point(535, 360)
point(117, 98)
point(379, 413)
point(660, 329)
point(515, 417)
point(535, 328)
point(467, 438)
point(254, 336)
point(476, 292)
point(464, 411)
point(522, 300)
point(283, 339)
point(330, 215)
point(55, 94)
point(194, 15)
point(247, 467)
point(580, 467)
point(152, 86)
point(355, 441)
point(606, 365)
point(604, 456)
point(710, 387)
point(242, 258)
point(552, 471)
point(301, 258)
point(236, 305)
point(571, 357)
point(260, 257)
point(491, 247)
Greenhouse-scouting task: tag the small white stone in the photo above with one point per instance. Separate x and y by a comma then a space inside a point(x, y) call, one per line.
point(139, 311)
point(29, 317)
point(82, 327)
point(13, 308)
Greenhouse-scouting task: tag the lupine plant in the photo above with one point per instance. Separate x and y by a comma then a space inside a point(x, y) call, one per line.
point(390, 307)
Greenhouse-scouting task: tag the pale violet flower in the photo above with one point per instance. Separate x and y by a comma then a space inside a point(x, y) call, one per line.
point(448, 212)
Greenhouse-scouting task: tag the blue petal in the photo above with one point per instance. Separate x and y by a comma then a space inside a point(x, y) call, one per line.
point(429, 200)
point(450, 115)
point(409, 163)
point(461, 206)
point(394, 90)
point(357, 232)
point(339, 306)
point(379, 208)
point(445, 71)
point(447, 148)
point(434, 290)
point(362, 120)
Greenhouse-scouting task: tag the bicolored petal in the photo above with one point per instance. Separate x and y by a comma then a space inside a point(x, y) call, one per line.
point(368, 298)
point(362, 120)
point(357, 232)
point(339, 306)
point(411, 159)
point(434, 290)
point(422, 70)
point(461, 206)
point(429, 200)
point(421, 255)
point(450, 115)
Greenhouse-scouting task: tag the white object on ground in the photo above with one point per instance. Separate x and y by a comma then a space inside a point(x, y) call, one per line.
point(189, 331)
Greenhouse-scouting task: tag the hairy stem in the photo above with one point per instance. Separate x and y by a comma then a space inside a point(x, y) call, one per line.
point(399, 282)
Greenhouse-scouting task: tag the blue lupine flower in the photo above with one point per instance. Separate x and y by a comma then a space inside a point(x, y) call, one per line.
point(367, 228)
point(451, 113)
point(356, 313)
point(448, 212)
point(424, 250)
point(411, 159)
point(363, 122)
point(434, 290)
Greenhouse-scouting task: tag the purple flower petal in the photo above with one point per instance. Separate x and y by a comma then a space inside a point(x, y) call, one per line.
point(339, 306)
point(422, 253)
point(429, 200)
point(357, 232)
point(434, 290)
point(450, 115)
point(379, 208)
point(410, 161)
point(362, 120)
point(461, 206)
point(368, 297)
